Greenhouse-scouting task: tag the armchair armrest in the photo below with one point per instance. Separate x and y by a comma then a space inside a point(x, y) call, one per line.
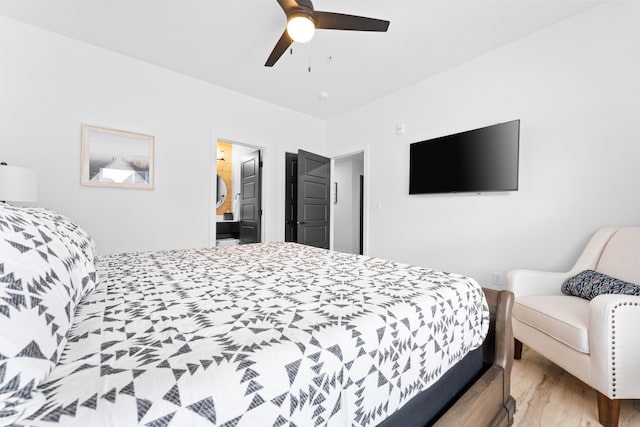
point(614, 345)
point(533, 282)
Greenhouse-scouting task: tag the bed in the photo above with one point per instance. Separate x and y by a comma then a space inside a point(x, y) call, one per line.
point(263, 334)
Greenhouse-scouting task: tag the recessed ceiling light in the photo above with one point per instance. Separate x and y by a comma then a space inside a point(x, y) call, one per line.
point(324, 95)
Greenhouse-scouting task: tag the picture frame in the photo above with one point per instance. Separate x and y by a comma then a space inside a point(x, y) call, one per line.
point(117, 158)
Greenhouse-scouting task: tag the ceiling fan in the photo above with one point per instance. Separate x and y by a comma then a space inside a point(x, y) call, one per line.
point(302, 21)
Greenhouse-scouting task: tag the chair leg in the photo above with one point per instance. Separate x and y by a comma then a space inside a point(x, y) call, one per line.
point(517, 349)
point(608, 410)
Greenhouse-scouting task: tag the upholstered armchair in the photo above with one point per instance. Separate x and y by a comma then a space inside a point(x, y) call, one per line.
point(596, 340)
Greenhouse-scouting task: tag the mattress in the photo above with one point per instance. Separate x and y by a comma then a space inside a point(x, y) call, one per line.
point(264, 334)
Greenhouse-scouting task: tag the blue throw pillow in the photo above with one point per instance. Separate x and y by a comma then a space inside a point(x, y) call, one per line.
point(589, 284)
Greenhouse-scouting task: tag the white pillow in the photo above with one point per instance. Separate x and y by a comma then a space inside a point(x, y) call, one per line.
point(42, 279)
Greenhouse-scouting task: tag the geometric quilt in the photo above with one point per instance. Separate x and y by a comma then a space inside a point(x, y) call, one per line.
point(269, 334)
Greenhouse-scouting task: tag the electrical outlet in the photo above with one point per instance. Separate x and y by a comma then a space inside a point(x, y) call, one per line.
point(498, 278)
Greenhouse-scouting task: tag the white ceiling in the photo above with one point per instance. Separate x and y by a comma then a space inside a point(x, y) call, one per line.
point(226, 42)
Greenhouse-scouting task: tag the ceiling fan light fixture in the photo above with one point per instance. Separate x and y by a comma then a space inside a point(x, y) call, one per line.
point(301, 27)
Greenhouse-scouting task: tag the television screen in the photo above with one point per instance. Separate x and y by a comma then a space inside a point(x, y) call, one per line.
point(478, 160)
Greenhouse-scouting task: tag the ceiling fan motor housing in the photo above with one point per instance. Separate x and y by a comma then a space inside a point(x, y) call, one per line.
point(304, 6)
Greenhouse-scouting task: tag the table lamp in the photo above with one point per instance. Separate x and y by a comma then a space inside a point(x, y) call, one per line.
point(18, 184)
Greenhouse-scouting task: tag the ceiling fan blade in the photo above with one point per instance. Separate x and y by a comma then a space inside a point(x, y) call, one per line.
point(339, 21)
point(281, 47)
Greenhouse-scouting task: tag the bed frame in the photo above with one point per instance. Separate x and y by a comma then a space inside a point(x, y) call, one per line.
point(488, 402)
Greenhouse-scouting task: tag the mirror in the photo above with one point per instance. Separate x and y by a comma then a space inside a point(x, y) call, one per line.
point(221, 191)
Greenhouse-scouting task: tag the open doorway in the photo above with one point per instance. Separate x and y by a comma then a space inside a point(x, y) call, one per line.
point(348, 203)
point(237, 198)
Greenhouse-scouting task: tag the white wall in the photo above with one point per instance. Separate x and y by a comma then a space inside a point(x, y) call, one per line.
point(50, 85)
point(576, 88)
point(343, 209)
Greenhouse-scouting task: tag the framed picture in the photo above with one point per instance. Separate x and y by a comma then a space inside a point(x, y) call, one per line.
point(116, 158)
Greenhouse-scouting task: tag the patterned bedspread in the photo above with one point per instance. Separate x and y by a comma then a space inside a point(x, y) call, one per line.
point(258, 335)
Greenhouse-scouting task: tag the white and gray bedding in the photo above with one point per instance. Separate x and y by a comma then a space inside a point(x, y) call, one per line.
point(266, 334)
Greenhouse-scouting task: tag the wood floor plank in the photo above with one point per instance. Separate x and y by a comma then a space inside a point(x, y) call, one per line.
point(546, 395)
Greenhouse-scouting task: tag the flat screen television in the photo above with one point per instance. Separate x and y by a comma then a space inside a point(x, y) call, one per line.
point(479, 160)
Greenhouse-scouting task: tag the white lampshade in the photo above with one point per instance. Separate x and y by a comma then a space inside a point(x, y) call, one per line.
point(301, 28)
point(18, 184)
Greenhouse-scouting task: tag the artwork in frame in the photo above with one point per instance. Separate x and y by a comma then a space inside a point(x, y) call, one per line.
point(116, 158)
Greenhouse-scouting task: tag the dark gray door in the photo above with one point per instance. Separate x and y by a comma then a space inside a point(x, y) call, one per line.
point(361, 215)
point(291, 198)
point(250, 203)
point(314, 175)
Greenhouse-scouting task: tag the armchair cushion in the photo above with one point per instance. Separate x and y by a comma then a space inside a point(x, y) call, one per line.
point(566, 319)
point(589, 284)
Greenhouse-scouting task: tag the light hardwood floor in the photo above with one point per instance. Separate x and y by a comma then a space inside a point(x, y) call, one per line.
point(546, 395)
